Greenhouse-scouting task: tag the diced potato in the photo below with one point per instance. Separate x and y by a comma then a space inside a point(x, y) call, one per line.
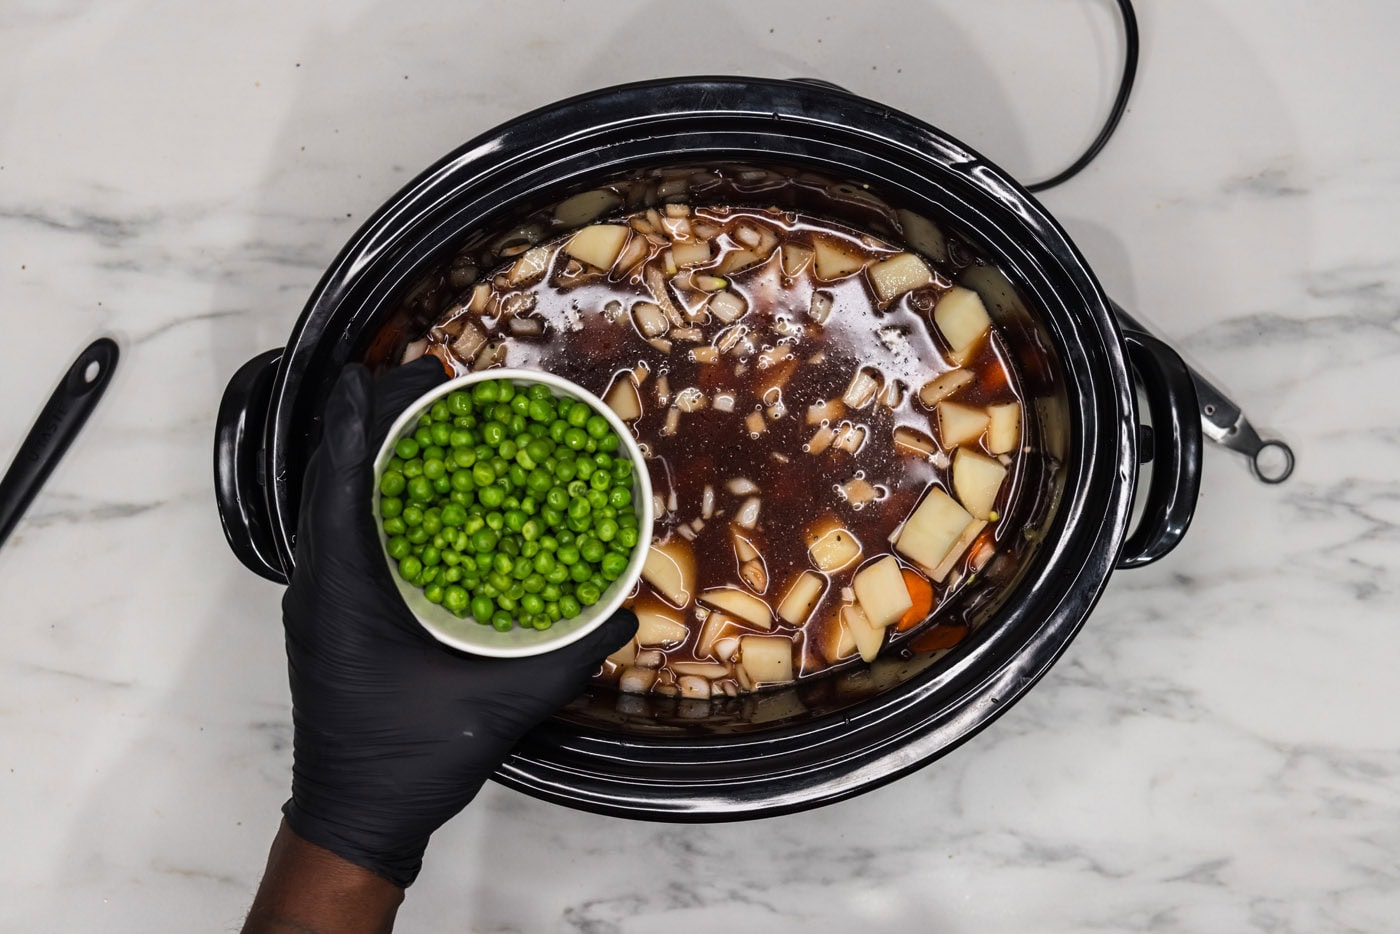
point(897, 275)
point(862, 389)
point(849, 437)
point(916, 442)
point(821, 440)
point(766, 659)
point(636, 680)
point(626, 655)
point(859, 491)
point(923, 235)
point(835, 259)
point(744, 546)
point(932, 528)
point(658, 624)
point(529, 267)
point(637, 249)
point(700, 669)
point(960, 424)
point(623, 398)
point(834, 640)
point(941, 387)
point(794, 258)
point(735, 260)
point(977, 480)
point(961, 318)
point(727, 306)
point(941, 571)
point(598, 245)
point(670, 570)
point(867, 638)
point(831, 546)
point(880, 589)
point(469, 342)
point(755, 424)
point(739, 603)
point(481, 298)
point(649, 319)
point(802, 597)
point(825, 411)
point(726, 647)
point(584, 207)
point(694, 687)
point(821, 306)
point(691, 253)
point(1004, 430)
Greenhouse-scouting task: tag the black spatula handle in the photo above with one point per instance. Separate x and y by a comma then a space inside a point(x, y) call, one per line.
point(59, 423)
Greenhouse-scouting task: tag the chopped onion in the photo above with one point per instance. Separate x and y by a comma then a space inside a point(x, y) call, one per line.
point(826, 411)
point(694, 686)
point(661, 344)
point(777, 410)
point(677, 228)
point(672, 501)
point(658, 505)
point(708, 354)
point(821, 440)
point(821, 307)
point(724, 401)
point(850, 437)
point(636, 680)
point(529, 267)
point(727, 339)
point(688, 334)
point(727, 307)
point(780, 457)
point(861, 390)
point(686, 532)
point(741, 486)
point(707, 502)
point(774, 355)
point(481, 298)
point(526, 327)
point(848, 595)
point(690, 399)
point(649, 319)
point(755, 575)
point(748, 236)
point(698, 526)
point(663, 390)
point(612, 311)
point(660, 294)
point(747, 516)
point(649, 658)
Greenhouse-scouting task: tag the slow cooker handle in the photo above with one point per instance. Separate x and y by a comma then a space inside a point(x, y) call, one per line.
point(1176, 461)
point(238, 450)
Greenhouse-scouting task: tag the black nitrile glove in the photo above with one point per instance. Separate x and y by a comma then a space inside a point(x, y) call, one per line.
point(394, 732)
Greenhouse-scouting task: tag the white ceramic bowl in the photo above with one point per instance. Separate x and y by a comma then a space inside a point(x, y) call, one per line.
point(469, 635)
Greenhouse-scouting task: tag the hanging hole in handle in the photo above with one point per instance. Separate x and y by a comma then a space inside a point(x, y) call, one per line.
point(1273, 462)
point(94, 370)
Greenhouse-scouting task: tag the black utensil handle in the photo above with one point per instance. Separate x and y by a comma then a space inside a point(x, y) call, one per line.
point(58, 424)
point(1177, 440)
point(238, 448)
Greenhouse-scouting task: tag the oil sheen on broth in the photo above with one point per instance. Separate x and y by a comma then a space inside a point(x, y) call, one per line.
point(830, 425)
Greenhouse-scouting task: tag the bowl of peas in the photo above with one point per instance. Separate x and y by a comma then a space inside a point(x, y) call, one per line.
point(515, 510)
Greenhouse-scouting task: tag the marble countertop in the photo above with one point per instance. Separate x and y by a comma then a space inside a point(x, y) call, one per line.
point(1217, 751)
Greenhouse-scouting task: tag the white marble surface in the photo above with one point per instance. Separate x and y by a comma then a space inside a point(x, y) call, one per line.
point(1219, 749)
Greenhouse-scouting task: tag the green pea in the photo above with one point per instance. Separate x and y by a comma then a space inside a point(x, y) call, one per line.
point(416, 535)
point(502, 622)
point(533, 583)
point(508, 449)
point(606, 530)
point(432, 557)
point(439, 411)
point(390, 507)
point(410, 567)
point(530, 531)
point(455, 599)
point(532, 604)
point(600, 480)
point(398, 548)
point(442, 486)
point(575, 439)
point(407, 448)
point(579, 508)
point(588, 593)
point(556, 430)
point(424, 435)
point(459, 403)
point(578, 415)
point(613, 565)
point(619, 498)
point(394, 526)
point(392, 483)
point(516, 475)
point(413, 468)
point(495, 521)
point(585, 467)
point(434, 468)
point(420, 489)
point(568, 554)
point(491, 496)
point(551, 592)
point(569, 607)
point(579, 572)
point(596, 426)
point(482, 608)
point(493, 433)
point(520, 405)
point(627, 536)
point(432, 522)
point(442, 434)
point(591, 549)
point(485, 391)
point(558, 574)
point(434, 592)
point(412, 516)
point(515, 520)
point(484, 539)
point(522, 568)
point(597, 499)
point(507, 603)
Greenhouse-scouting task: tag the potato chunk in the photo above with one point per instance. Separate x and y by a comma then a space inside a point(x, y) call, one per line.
point(960, 424)
point(836, 260)
point(1004, 430)
point(932, 528)
point(897, 275)
point(955, 553)
point(961, 318)
point(623, 397)
point(658, 624)
point(881, 592)
point(941, 387)
point(598, 245)
point(670, 570)
point(977, 480)
point(802, 597)
point(739, 603)
point(835, 641)
point(766, 659)
point(831, 546)
point(923, 235)
point(867, 638)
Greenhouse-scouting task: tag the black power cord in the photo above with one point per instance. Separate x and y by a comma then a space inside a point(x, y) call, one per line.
point(1120, 103)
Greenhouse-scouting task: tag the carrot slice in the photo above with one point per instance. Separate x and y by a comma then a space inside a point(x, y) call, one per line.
point(921, 592)
point(943, 636)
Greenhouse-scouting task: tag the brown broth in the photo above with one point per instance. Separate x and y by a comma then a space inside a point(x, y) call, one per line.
point(585, 342)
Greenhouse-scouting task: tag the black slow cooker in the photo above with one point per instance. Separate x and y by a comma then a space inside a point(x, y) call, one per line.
point(785, 750)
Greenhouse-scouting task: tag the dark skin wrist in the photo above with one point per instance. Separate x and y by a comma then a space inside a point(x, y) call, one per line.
point(308, 890)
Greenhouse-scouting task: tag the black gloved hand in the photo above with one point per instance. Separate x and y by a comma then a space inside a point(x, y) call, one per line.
point(394, 732)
